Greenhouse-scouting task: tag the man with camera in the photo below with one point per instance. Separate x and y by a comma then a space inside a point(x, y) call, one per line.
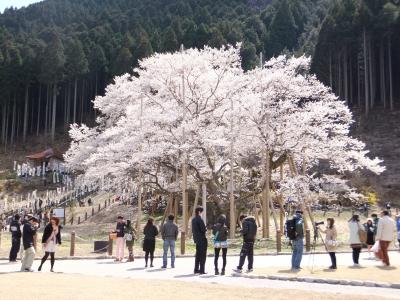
point(297, 242)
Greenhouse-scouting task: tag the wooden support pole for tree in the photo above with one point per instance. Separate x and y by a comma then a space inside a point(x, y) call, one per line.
point(139, 212)
point(99, 207)
point(92, 211)
point(266, 194)
point(176, 208)
point(195, 204)
point(183, 237)
point(72, 246)
point(204, 201)
point(278, 241)
point(308, 240)
point(167, 210)
point(110, 246)
point(79, 220)
point(86, 215)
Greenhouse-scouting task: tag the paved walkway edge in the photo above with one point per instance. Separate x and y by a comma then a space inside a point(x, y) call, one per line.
point(322, 280)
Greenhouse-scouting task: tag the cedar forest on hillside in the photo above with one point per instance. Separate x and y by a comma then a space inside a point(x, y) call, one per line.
point(57, 55)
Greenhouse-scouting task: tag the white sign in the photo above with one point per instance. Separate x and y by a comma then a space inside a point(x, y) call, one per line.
point(59, 212)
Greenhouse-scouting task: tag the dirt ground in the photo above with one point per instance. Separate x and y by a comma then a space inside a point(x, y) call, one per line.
point(370, 273)
point(66, 287)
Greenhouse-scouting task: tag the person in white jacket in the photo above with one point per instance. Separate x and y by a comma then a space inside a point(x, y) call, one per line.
point(354, 238)
point(384, 234)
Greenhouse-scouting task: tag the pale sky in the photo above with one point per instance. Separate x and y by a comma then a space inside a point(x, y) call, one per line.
point(15, 3)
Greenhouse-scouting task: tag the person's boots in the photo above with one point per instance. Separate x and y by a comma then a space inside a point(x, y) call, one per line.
point(151, 263)
point(40, 268)
point(216, 271)
point(146, 263)
point(223, 272)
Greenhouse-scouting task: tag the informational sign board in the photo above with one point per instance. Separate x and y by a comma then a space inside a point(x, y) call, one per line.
point(59, 212)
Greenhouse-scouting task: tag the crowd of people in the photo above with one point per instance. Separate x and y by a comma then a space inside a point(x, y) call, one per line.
point(376, 233)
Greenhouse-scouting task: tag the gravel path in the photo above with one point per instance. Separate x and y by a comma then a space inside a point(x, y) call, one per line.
point(184, 268)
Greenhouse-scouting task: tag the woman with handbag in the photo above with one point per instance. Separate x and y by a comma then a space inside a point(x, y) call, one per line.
point(220, 232)
point(150, 232)
point(130, 235)
point(331, 242)
point(51, 237)
point(357, 237)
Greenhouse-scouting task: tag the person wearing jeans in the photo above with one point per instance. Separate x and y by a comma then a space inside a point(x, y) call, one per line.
point(298, 243)
point(384, 234)
point(169, 234)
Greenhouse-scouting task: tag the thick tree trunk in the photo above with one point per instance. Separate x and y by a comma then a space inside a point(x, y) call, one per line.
point(358, 84)
point(340, 76)
point(25, 128)
point(75, 91)
point(371, 75)
point(351, 80)
point(345, 76)
point(13, 121)
point(366, 81)
point(4, 124)
point(382, 73)
point(68, 112)
point(38, 111)
point(47, 109)
point(32, 118)
point(390, 73)
point(53, 122)
point(330, 70)
point(82, 100)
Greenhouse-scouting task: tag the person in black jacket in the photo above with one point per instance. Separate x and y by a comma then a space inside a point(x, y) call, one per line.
point(150, 232)
point(28, 234)
point(16, 234)
point(199, 231)
point(51, 237)
point(120, 231)
point(249, 232)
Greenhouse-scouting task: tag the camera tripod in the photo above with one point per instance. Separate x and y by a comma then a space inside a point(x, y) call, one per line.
point(317, 234)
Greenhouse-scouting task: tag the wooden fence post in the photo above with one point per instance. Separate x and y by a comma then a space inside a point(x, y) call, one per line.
point(110, 246)
point(278, 241)
point(72, 249)
point(308, 240)
point(183, 237)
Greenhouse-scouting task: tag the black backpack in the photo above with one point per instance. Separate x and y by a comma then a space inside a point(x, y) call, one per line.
point(291, 228)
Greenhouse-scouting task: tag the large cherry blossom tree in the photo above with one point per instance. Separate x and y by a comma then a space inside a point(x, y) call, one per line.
point(199, 107)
